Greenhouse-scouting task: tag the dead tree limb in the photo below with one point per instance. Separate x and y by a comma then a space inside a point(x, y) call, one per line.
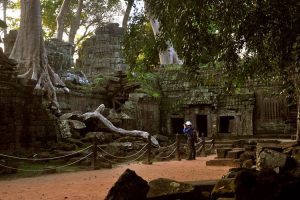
point(97, 114)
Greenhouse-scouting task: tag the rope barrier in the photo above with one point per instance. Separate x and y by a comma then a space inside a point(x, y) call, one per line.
point(122, 162)
point(43, 159)
point(167, 146)
point(211, 147)
point(41, 170)
point(200, 148)
point(170, 154)
point(72, 163)
point(121, 156)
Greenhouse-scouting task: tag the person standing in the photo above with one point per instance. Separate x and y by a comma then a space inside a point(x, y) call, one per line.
point(189, 131)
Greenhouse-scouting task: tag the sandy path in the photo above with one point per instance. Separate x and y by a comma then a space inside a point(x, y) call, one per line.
point(94, 185)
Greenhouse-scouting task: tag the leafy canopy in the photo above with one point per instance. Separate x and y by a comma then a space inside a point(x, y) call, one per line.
point(140, 52)
point(252, 38)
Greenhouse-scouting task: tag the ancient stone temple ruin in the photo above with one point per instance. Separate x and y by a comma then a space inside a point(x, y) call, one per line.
point(249, 111)
point(60, 53)
point(25, 121)
point(100, 54)
point(201, 102)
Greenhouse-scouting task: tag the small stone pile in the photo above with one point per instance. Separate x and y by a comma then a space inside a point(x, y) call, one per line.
point(276, 175)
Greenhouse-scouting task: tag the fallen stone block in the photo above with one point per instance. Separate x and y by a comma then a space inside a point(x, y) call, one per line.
point(129, 186)
point(223, 162)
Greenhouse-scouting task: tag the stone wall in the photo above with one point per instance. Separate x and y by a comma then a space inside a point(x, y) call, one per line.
point(24, 121)
point(81, 102)
point(60, 54)
point(272, 115)
point(251, 110)
point(202, 100)
point(144, 113)
point(101, 53)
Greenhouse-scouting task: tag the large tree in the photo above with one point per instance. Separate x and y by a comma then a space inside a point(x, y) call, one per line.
point(29, 51)
point(86, 15)
point(167, 54)
point(60, 19)
point(257, 39)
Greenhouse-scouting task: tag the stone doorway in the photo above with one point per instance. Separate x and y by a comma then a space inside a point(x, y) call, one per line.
point(226, 124)
point(177, 125)
point(201, 124)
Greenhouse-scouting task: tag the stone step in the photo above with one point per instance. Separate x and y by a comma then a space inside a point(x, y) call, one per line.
point(223, 162)
point(203, 187)
point(222, 152)
point(223, 145)
point(235, 153)
point(206, 185)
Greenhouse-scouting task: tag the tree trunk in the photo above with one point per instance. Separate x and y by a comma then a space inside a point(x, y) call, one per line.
point(168, 56)
point(4, 4)
point(298, 120)
point(97, 114)
point(76, 22)
point(30, 53)
point(127, 13)
point(60, 19)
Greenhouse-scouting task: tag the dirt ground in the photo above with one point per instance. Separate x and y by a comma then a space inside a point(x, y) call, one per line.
point(94, 185)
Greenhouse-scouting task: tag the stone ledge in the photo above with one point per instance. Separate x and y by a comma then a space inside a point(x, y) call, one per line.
point(223, 162)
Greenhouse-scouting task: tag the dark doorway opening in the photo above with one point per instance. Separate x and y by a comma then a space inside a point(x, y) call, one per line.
point(177, 125)
point(201, 125)
point(226, 124)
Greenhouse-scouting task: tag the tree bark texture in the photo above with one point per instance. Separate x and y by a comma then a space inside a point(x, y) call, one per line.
point(97, 114)
point(4, 5)
point(168, 56)
point(30, 53)
point(127, 13)
point(76, 22)
point(298, 120)
point(60, 19)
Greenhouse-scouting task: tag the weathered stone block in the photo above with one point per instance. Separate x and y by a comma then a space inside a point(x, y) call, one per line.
point(235, 153)
point(128, 186)
point(270, 159)
point(223, 162)
point(222, 152)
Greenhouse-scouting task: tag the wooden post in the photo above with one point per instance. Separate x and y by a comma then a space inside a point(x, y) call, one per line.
point(203, 145)
point(149, 150)
point(94, 155)
point(178, 147)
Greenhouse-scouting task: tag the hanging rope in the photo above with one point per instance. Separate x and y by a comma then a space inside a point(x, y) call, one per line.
point(115, 162)
point(43, 159)
point(41, 170)
point(199, 149)
point(121, 156)
point(170, 154)
point(160, 148)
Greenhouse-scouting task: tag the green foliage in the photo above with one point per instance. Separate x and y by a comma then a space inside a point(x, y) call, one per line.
point(94, 13)
point(50, 10)
point(13, 22)
point(139, 45)
point(3, 24)
point(100, 80)
point(256, 39)
point(140, 51)
point(149, 83)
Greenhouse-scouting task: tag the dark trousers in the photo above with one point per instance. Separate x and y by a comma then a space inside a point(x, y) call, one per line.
point(191, 148)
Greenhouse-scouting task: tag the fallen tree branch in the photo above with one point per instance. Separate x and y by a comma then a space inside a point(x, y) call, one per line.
point(97, 114)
